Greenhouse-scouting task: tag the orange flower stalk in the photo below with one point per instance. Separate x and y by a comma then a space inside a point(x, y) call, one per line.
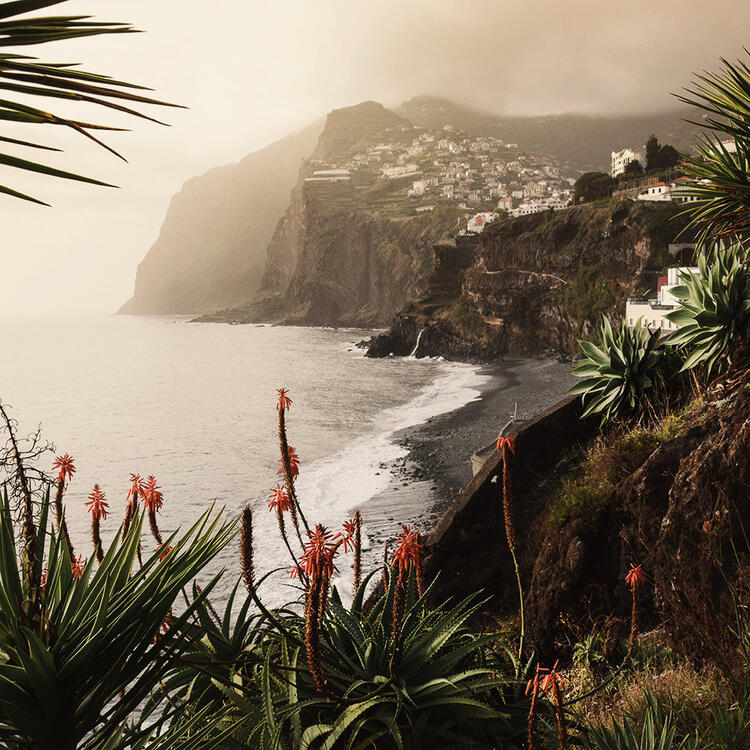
point(97, 505)
point(284, 401)
point(289, 461)
point(246, 550)
point(506, 446)
point(153, 499)
point(66, 468)
point(532, 685)
point(318, 565)
point(553, 681)
point(635, 578)
point(407, 553)
point(78, 564)
point(280, 500)
point(137, 489)
point(352, 537)
point(164, 550)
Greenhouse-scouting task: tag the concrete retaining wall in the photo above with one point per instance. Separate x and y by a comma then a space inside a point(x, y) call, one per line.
point(467, 547)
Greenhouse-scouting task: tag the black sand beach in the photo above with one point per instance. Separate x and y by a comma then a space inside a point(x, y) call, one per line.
point(438, 464)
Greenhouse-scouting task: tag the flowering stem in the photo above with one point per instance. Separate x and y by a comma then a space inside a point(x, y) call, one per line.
point(62, 527)
point(154, 526)
point(312, 634)
point(511, 536)
point(282, 530)
point(357, 550)
point(286, 464)
point(634, 618)
point(531, 739)
point(246, 550)
point(96, 538)
point(562, 733)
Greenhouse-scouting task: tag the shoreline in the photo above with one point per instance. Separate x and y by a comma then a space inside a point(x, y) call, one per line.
point(437, 463)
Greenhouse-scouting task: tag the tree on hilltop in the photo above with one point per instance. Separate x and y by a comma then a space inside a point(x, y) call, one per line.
point(660, 156)
point(592, 186)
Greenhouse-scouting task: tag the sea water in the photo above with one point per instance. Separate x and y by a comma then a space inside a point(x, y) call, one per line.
point(195, 405)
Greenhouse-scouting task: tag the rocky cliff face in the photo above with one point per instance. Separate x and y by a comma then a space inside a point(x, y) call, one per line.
point(535, 283)
point(346, 253)
point(211, 251)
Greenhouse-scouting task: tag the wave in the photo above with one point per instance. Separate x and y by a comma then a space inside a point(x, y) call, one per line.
point(338, 484)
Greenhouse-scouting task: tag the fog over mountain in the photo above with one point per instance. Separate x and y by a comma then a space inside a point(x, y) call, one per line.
point(251, 73)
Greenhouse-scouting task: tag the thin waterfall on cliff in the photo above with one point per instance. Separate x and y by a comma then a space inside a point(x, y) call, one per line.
point(416, 346)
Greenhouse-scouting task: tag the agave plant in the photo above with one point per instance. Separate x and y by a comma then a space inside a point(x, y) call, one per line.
point(33, 79)
point(720, 174)
point(619, 372)
point(81, 649)
point(714, 318)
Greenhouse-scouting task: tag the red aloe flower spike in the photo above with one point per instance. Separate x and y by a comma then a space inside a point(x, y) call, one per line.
point(293, 463)
point(137, 490)
point(504, 443)
point(553, 681)
point(284, 401)
point(347, 535)
point(164, 550)
point(280, 500)
point(137, 487)
point(289, 466)
point(66, 467)
point(408, 552)
point(318, 554)
point(635, 578)
point(97, 506)
point(532, 685)
point(153, 499)
point(78, 565)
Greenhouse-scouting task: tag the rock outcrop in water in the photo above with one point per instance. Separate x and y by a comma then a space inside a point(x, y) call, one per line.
point(535, 283)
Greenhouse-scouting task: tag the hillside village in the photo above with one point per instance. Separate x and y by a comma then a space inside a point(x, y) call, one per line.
point(414, 169)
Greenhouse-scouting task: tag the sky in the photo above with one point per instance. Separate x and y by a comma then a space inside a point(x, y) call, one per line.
point(251, 71)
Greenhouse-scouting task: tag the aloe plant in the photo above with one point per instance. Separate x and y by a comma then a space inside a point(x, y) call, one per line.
point(656, 732)
point(434, 685)
point(21, 73)
point(713, 321)
point(618, 372)
point(80, 649)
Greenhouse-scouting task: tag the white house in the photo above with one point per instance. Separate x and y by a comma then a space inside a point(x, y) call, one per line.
point(659, 191)
point(418, 188)
point(652, 311)
point(621, 159)
point(681, 189)
point(478, 222)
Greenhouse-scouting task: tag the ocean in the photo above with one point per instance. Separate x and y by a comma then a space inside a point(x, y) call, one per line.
point(195, 405)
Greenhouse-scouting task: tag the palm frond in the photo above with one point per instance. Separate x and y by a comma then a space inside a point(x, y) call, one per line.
point(26, 75)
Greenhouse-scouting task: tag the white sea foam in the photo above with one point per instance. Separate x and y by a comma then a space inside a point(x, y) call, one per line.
point(337, 484)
